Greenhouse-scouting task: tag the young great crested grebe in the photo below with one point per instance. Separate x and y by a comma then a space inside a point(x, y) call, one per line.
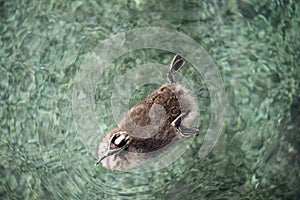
point(151, 125)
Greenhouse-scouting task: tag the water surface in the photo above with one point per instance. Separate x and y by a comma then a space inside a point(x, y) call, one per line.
point(255, 46)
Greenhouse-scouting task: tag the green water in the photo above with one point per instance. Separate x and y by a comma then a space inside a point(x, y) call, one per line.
point(255, 46)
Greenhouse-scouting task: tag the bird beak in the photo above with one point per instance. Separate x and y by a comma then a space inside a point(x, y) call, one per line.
point(100, 159)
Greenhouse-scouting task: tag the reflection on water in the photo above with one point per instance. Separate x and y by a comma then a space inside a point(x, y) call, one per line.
point(254, 44)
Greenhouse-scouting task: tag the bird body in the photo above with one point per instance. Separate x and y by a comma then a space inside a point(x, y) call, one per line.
point(150, 126)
